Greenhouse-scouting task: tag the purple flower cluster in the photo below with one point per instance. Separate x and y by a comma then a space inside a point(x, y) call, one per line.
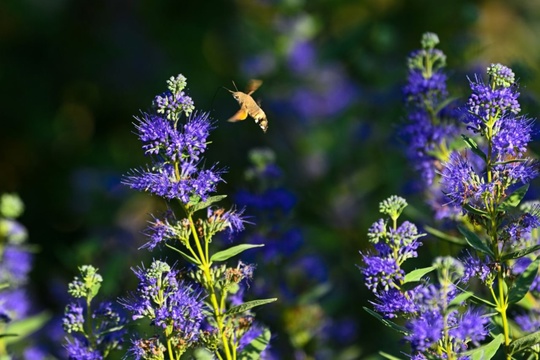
point(431, 126)
point(94, 331)
point(15, 261)
point(431, 317)
point(492, 110)
point(176, 172)
point(166, 302)
point(393, 245)
point(176, 149)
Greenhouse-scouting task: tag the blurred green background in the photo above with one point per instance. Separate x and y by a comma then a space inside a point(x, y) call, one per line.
point(74, 73)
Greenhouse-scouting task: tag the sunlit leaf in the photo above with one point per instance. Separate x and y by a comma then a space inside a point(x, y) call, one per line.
point(520, 253)
point(232, 251)
point(474, 147)
point(444, 236)
point(514, 198)
point(474, 241)
point(388, 356)
point(189, 258)
point(523, 283)
point(524, 342)
point(387, 322)
point(417, 274)
point(487, 351)
point(26, 327)
point(248, 305)
point(204, 204)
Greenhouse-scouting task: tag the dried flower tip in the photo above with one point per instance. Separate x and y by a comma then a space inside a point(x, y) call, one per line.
point(501, 75)
point(393, 206)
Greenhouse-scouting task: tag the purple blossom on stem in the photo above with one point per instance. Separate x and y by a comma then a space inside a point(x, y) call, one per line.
point(425, 330)
point(380, 273)
point(166, 302)
point(475, 268)
point(421, 89)
point(80, 349)
point(512, 136)
point(176, 172)
point(488, 102)
point(393, 303)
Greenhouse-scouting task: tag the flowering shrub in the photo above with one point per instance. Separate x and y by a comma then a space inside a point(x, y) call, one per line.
point(190, 311)
point(466, 310)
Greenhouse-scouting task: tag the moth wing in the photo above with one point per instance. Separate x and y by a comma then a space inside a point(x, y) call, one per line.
point(240, 115)
point(253, 85)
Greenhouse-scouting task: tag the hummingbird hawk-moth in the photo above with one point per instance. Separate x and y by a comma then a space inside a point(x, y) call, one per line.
point(248, 106)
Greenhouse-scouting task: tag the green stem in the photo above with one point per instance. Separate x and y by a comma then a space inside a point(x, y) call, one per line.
point(205, 267)
point(502, 306)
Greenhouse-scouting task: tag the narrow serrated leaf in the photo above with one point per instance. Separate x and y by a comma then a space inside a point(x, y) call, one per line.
point(189, 258)
point(520, 253)
point(487, 351)
point(417, 274)
point(444, 236)
point(232, 251)
point(253, 350)
point(523, 282)
point(474, 241)
point(474, 147)
point(248, 305)
point(387, 322)
point(524, 342)
point(513, 199)
point(204, 204)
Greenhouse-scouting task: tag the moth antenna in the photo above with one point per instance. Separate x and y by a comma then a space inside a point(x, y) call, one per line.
point(234, 85)
point(228, 89)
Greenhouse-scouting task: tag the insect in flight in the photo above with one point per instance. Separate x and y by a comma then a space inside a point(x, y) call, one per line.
point(248, 106)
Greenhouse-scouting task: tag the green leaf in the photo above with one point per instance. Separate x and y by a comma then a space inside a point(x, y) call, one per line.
point(474, 241)
point(314, 294)
point(204, 204)
point(202, 354)
point(475, 211)
point(232, 251)
point(25, 327)
point(523, 283)
point(388, 356)
point(524, 342)
point(189, 258)
point(387, 322)
point(417, 274)
point(520, 253)
point(248, 305)
point(477, 298)
point(474, 147)
point(444, 236)
point(253, 350)
point(460, 298)
point(487, 351)
point(513, 199)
